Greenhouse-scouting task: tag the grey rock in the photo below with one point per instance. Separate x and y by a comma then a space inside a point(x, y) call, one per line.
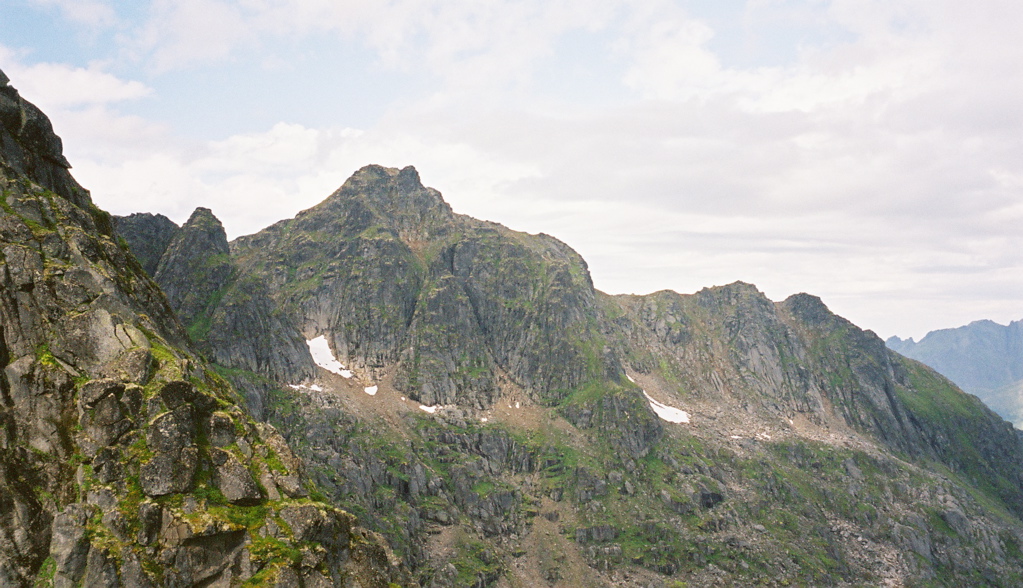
point(148, 236)
point(220, 430)
point(150, 520)
point(596, 534)
point(101, 570)
point(169, 472)
point(173, 431)
point(306, 522)
point(445, 577)
point(177, 393)
point(69, 545)
point(234, 479)
point(131, 572)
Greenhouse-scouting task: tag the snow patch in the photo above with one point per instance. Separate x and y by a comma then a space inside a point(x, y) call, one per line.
point(516, 405)
point(429, 409)
point(483, 419)
point(667, 413)
point(315, 388)
point(296, 386)
point(630, 378)
point(736, 437)
point(371, 390)
point(323, 357)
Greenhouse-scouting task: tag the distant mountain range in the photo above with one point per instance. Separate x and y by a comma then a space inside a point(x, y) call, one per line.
point(983, 358)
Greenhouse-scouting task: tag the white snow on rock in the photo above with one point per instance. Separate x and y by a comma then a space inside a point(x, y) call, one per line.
point(296, 386)
point(429, 409)
point(736, 437)
point(667, 413)
point(323, 357)
point(315, 388)
point(630, 378)
point(483, 419)
point(516, 405)
point(371, 390)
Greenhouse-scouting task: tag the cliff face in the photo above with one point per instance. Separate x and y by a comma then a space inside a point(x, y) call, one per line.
point(501, 421)
point(230, 317)
point(393, 277)
point(148, 236)
point(123, 459)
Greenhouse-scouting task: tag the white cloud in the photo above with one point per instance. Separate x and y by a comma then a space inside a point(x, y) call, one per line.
point(475, 44)
point(53, 86)
point(93, 13)
point(182, 32)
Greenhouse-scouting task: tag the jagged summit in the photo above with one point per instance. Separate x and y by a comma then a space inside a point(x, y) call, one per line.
point(31, 149)
point(196, 256)
point(385, 198)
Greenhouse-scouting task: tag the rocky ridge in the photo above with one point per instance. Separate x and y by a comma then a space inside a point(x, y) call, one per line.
point(124, 460)
point(499, 424)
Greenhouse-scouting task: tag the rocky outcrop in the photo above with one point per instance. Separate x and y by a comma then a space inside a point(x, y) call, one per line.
point(195, 268)
point(148, 236)
point(124, 460)
point(32, 150)
point(231, 318)
point(796, 359)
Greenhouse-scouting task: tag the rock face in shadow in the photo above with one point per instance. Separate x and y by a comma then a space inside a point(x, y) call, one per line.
point(195, 267)
point(147, 235)
point(32, 150)
point(124, 460)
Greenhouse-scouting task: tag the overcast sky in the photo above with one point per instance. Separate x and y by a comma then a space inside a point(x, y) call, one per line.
point(866, 151)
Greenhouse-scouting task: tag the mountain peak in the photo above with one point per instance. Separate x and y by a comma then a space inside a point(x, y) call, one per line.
point(809, 308)
point(388, 197)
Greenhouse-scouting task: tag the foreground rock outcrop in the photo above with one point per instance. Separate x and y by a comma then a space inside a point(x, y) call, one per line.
point(124, 460)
